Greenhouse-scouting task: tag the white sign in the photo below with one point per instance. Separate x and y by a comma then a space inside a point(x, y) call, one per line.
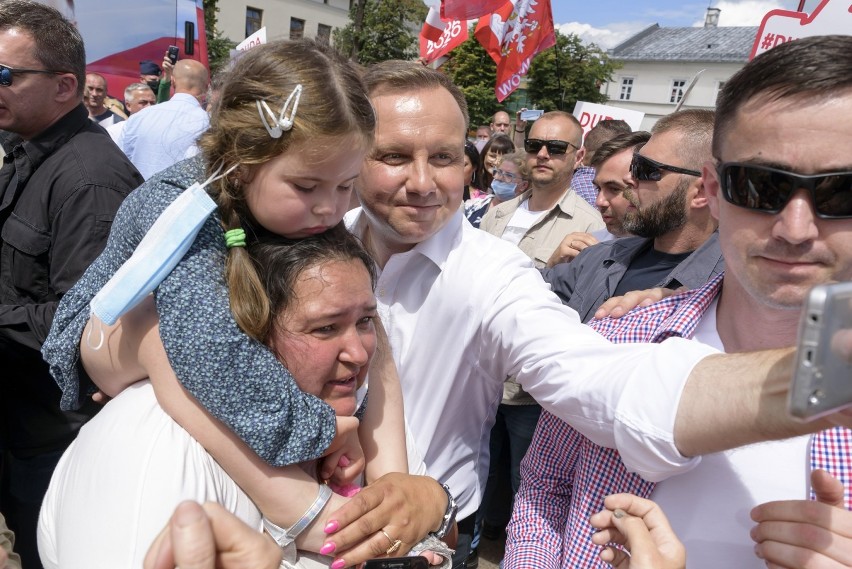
point(590, 114)
point(254, 40)
point(781, 26)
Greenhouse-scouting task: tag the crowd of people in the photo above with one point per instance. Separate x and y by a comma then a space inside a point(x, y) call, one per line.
point(322, 320)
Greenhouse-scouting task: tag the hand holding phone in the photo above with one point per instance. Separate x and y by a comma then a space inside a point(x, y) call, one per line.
point(173, 53)
point(416, 562)
point(531, 114)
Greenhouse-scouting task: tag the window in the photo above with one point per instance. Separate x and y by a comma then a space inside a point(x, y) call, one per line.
point(323, 33)
point(254, 20)
point(677, 90)
point(626, 88)
point(297, 28)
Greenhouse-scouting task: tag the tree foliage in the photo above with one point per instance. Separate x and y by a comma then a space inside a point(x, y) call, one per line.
point(218, 46)
point(567, 73)
point(472, 69)
point(380, 30)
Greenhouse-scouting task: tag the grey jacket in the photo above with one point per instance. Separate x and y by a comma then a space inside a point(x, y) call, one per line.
point(592, 277)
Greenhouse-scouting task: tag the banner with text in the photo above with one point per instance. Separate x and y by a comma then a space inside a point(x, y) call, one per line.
point(590, 114)
point(781, 26)
point(454, 34)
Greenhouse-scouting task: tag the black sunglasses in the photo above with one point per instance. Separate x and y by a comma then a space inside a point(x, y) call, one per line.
point(766, 189)
point(644, 169)
point(533, 145)
point(7, 73)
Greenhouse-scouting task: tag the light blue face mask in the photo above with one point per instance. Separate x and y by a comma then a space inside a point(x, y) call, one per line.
point(503, 190)
point(160, 250)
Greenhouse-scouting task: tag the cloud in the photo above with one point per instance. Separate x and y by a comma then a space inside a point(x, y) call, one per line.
point(606, 38)
point(747, 12)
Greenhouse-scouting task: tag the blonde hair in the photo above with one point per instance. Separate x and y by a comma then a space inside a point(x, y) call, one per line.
point(334, 103)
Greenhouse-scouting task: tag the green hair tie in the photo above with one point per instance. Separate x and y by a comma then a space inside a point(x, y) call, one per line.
point(235, 238)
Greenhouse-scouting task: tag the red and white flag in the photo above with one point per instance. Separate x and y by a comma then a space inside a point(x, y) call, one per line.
point(527, 31)
point(433, 27)
point(468, 9)
point(490, 29)
point(454, 34)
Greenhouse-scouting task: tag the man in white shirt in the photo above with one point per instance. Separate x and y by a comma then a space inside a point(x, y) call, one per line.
point(137, 96)
point(166, 133)
point(464, 310)
point(538, 220)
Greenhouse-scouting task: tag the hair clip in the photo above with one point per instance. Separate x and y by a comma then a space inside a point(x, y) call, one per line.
point(281, 123)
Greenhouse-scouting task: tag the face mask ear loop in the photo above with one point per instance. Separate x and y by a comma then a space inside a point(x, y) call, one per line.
point(95, 321)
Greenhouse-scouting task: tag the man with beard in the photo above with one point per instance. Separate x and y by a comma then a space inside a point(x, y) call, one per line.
point(675, 245)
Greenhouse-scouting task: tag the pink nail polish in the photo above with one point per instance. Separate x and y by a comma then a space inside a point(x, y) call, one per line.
point(328, 548)
point(344, 461)
point(331, 526)
point(339, 564)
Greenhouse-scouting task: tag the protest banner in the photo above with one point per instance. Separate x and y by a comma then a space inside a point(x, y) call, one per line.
point(590, 114)
point(781, 26)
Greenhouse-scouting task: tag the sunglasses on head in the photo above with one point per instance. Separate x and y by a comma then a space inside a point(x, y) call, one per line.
point(644, 169)
point(533, 145)
point(7, 73)
point(766, 189)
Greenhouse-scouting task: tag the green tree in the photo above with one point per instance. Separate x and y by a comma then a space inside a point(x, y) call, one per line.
point(472, 69)
point(380, 30)
point(218, 46)
point(567, 73)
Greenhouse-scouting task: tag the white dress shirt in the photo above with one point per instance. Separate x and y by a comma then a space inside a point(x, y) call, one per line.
point(464, 310)
point(160, 135)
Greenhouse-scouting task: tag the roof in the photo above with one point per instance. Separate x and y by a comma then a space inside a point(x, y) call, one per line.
point(724, 44)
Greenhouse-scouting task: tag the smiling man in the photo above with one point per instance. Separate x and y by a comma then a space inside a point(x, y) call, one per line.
point(464, 310)
point(674, 244)
point(780, 186)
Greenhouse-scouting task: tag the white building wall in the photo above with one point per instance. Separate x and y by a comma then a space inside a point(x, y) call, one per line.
point(652, 86)
point(231, 19)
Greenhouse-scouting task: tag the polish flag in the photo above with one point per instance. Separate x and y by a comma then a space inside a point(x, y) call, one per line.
point(433, 27)
point(453, 36)
point(491, 28)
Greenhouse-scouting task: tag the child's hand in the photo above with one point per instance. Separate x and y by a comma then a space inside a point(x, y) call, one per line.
point(343, 466)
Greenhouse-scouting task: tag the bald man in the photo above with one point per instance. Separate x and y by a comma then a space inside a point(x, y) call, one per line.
point(166, 133)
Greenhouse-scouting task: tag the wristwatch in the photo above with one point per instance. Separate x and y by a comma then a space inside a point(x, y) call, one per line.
point(449, 515)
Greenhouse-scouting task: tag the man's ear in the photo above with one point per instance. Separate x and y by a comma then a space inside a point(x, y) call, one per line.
point(712, 191)
point(580, 154)
point(66, 88)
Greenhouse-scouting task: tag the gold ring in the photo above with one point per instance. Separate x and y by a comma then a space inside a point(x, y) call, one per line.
point(394, 547)
point(390, 539)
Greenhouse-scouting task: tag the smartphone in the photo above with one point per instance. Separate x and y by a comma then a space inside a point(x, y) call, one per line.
point(531, 114)
point(173, 53)
point(822, 380)
point(416, 562)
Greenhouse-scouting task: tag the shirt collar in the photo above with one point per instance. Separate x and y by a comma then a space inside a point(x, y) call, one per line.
point(46, 142)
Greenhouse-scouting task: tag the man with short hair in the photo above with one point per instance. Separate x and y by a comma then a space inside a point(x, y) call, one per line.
point(137, 96)
point(60, 186)
point(612, 178)
point(500, 123)
point(785, 225)
point(538, 220)
point(166, 133)
point(464, 311)
point(94, 96)
point(584, 174)
point(675, 242)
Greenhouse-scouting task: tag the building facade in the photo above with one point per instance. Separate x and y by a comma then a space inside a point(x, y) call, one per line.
point(666, 67)
point(284, 19)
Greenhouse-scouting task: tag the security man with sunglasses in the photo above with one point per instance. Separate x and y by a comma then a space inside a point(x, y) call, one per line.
point(780, 186)
point(675, 243)
point(538, 220)
point(61, 182)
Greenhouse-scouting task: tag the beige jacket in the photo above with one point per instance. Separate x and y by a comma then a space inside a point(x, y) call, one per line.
point(571, 213)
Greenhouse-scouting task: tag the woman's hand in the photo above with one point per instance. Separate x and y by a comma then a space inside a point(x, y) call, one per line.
point(618, 306)
point(642, 528)
point(343, 466)
point(404, 507)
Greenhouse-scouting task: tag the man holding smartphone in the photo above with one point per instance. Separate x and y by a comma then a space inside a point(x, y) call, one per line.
point(780, 185)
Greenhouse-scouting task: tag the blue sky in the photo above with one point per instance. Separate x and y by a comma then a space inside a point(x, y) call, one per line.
point(609, 22)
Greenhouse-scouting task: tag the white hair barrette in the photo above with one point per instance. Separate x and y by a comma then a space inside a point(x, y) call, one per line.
point(281, 122)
